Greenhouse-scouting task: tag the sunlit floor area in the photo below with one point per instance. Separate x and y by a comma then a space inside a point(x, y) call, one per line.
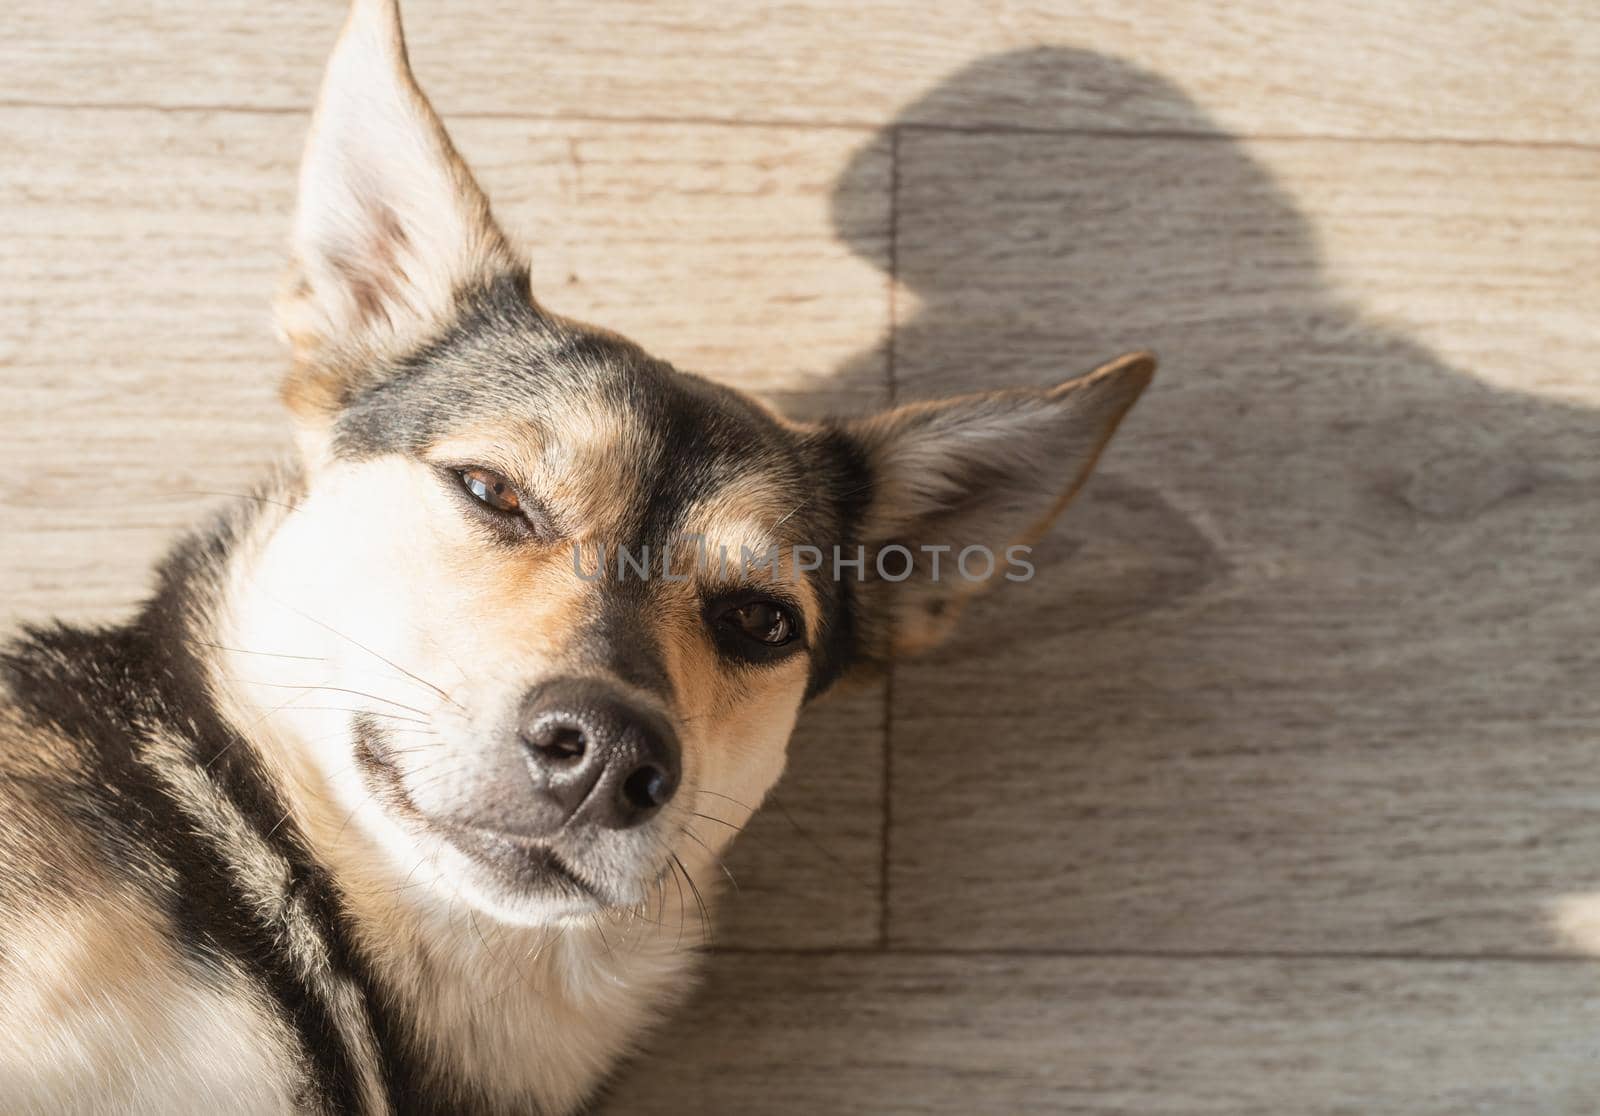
point(1277, 791)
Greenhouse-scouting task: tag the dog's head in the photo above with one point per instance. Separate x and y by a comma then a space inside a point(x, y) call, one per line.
point(545, 599)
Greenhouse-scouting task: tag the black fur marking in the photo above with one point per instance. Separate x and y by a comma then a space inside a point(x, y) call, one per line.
point(498, 343)
point(844, 479)
point(97, 686)
point(619, 639)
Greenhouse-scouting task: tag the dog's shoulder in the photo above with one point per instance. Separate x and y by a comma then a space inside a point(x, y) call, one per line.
point(99, 987)
point(46, 844)
point(56, 716)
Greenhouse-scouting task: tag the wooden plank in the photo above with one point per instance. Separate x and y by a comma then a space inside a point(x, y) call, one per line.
point(1126, 1037)
point(141, 250)
point(807, 871)
point(1311, 665)
point(1517, 69)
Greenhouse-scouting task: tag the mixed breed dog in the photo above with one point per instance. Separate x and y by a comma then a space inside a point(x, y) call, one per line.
point(389, 800)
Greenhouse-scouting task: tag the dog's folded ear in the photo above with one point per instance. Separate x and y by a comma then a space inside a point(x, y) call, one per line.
point(389, 226)
point(957, 484)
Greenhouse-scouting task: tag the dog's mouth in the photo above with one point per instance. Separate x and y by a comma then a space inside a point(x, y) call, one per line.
point(560, 878)
point(523, 865)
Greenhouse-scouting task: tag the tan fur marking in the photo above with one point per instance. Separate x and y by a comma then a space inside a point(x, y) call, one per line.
point(103, 1016)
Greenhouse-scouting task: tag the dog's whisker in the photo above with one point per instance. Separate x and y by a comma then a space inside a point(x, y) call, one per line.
point(595, 922)
point(445, 651)
point(728, 797)
point(661, 897)
point(806, 502)
point(339, 834)
point(705, 916)
point(715, 859)
point(472, 918)
point(355, 712)
point(683, 902)
point(240, 737)
point(719, 821)
point(256, 496)
point(331, 690)
point(377, 655)
point(386, 673)
point(413, 750)
point(775, 803)
point(243, 651)
point(406, 883)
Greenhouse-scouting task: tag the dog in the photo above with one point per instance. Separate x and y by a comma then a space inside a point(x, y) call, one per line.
point(384, 801)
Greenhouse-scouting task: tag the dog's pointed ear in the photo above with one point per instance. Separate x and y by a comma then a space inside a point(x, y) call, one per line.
point(389, 226)
point(979, 473)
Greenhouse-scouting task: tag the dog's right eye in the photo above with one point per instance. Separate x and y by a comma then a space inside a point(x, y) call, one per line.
point(491, 490)
point(755, 628)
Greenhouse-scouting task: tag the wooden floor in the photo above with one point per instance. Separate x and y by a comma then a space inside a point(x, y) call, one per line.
point(1278, 791)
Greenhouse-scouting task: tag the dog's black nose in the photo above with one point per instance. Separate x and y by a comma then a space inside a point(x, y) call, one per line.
point(600, 760)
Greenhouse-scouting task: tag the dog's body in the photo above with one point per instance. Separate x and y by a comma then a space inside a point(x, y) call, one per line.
point(389, 800)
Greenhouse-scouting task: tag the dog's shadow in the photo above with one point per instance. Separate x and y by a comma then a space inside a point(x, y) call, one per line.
point(1268, 689)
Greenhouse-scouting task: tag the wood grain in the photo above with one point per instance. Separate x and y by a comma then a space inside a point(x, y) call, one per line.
point(1309, 667)
point(1119, 1036)
point(807, 870)
point(1515, 69)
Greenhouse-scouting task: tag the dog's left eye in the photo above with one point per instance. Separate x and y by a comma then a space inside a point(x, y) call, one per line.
point(491, 490)
point(765, 622)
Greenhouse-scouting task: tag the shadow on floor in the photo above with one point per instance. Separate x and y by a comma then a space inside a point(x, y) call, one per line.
point(1299, 672)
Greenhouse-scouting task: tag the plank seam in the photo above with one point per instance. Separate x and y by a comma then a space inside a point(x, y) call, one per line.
point(1159, 954)
point(825, 124)
point(889, 370)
